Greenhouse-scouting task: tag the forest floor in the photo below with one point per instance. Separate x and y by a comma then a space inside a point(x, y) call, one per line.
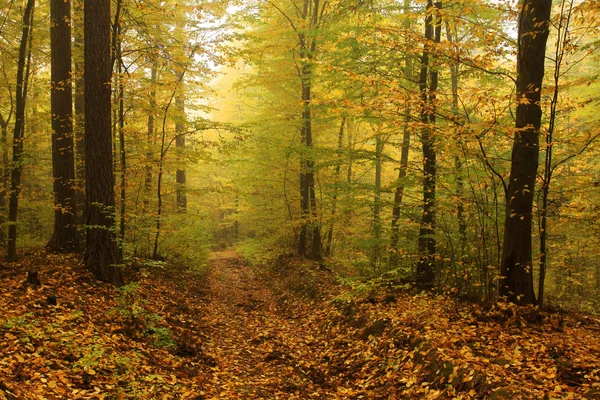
point(292, 331)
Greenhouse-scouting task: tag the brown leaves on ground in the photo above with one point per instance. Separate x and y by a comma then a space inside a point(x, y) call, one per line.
point(290, 334)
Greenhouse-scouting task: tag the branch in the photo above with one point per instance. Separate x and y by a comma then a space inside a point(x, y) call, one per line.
point(584, 148)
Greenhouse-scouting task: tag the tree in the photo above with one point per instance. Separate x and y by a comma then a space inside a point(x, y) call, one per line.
point(19, 129)
point(64, 237)
point(101, 254)
point(427, 245)
point(516, 280)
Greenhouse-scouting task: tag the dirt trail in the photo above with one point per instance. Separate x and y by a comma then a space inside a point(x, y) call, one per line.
point(259, 351)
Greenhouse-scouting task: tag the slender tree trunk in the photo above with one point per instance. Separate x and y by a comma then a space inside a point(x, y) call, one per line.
point(460, 208)
point(562, 38)
point(19, 129)
point(338, 170)
point(427, 244)
point(180, 145)
point(64, 237)
point(101, 255)
point(151, 133)
point(309, 243)
point(399, 192)
point(164, 147)
point(79, 120)
point(379, 145)
point(4, 170)
point(516, 275)
point(122, 152)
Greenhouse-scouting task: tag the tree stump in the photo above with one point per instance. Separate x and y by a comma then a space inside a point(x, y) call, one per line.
point(33, 278)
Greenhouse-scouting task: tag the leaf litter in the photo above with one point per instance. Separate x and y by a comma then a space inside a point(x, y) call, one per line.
point(292, 332)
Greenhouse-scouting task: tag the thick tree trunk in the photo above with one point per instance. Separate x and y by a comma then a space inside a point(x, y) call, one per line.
point(19, 129)
point(425, 273)
point(101, 254)
point(516, 275)
point(64, 237)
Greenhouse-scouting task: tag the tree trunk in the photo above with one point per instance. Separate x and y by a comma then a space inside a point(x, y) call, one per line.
point(151, 133)
point(516, 275)
point(64, 237)
point(460, 208)
point(399, 192)
point(101, 254)
point(375, 255)
point(338, 170)
point(79, 120)
point(309, 243)
point(427, 244)
point(19, 129)
point(122, 152)
point(180, 146)
point(4, 170)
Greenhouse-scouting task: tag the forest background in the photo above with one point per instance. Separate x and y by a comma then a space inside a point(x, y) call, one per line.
point(376, 135)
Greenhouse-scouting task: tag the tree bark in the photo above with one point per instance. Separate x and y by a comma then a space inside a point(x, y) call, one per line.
point(516, 275)
point(180, 146)
point(101, 254)
point(19, 129)
point(64, 237)
point(425, 273)
point(309, 244)
point(151, 133)
point(122, 152)
point(79, 119)
point(399, 191)
point(338, 169)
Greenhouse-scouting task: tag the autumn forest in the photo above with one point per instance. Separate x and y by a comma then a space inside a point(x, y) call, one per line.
point(299, 199)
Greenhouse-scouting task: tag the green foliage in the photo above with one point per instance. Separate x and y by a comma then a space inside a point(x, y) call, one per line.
point(21, 322)
point(186, 241)
point(132, 307)
point(91, 358)
point(262, 251)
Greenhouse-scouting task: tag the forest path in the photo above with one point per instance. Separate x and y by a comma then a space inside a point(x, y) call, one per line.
point(259, 351)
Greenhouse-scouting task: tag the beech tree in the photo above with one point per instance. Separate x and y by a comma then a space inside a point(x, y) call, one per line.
point(428, 84)
point(101, 255)
point(516, 269)
point(19, 128)
point(64, 237)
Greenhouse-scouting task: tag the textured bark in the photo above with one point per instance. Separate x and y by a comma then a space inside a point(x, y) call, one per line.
point(426, 243)
point(101, 254)
point(19, 129)
point(64, 236)
point(516, 275)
